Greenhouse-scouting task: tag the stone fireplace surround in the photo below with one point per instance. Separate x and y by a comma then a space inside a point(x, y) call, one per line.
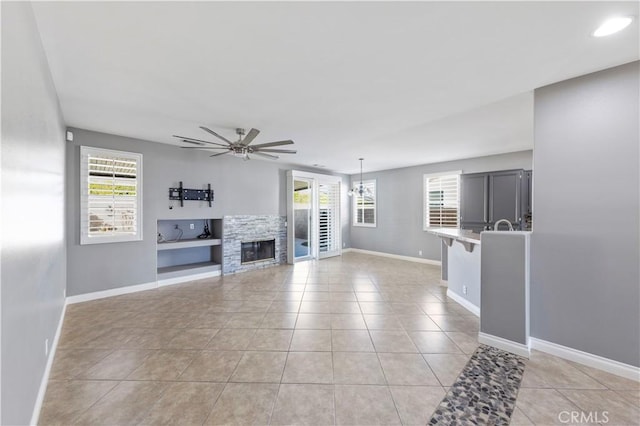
point(246, 228)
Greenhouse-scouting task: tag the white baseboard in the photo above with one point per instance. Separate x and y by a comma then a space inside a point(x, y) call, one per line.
point(585, 358)
point(464, 302)
point(504, 344)
point(47, 370)
point(140, 287)
point(393, 256)
point(186, 278)
point(112, 292)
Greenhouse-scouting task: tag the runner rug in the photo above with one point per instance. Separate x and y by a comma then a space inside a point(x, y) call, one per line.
point(485, 392)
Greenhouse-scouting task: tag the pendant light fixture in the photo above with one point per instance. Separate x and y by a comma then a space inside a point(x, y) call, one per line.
point(360, 190)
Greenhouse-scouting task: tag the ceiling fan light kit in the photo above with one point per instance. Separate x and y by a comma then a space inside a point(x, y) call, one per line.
point(241, 148)
point(360, 189)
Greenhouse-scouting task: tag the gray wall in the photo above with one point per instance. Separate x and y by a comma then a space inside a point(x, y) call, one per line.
point(241, 188)
point(585, 245)
point(400, 204)
point(504, 285)
point(464, 270)
point(33, 247)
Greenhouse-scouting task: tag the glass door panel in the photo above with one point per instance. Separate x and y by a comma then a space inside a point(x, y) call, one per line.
point(302, 215)
point(328, 219)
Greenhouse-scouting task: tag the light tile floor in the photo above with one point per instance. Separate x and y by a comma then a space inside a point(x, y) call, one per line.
point(349, 340)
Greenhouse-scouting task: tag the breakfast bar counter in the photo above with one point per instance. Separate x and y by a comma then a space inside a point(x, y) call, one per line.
point(463, 266)
point(494, 280)
point(468, 239)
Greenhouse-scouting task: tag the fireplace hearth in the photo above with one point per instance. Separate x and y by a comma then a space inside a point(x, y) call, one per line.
point(255, 251)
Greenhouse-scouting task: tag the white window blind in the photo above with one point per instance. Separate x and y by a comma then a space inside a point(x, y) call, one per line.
point(441, 200)
point(329, 217)
point(111, 196)
point(364, 206)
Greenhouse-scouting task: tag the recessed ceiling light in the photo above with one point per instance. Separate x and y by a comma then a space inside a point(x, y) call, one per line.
point(613, 25)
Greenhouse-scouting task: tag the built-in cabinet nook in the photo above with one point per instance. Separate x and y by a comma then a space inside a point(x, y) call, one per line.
point(188, 249)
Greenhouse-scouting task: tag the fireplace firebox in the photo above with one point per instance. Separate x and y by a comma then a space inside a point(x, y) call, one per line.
point(254, 251)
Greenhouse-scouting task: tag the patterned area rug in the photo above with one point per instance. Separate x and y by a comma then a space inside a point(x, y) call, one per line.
point(485, 392)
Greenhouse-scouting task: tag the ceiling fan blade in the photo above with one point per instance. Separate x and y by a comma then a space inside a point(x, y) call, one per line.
point(250, 136)
point(281, 151)
point(277, 143)
point(204, 147)
point(216, 135)
point(192, 140)
point(220, 153)
point(274, 157)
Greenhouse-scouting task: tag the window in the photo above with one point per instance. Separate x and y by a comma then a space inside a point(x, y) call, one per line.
point(441, 200)
point(364, 206)
point(111, 196)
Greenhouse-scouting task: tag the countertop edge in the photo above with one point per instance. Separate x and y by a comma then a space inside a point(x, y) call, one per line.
point(456, 234)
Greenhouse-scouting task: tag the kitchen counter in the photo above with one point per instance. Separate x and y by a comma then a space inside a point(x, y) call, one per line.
point(467, 238)
point(463, 265)
point(488, 274)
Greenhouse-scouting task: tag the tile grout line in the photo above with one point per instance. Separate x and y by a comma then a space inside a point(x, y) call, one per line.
point(384, 374)
point(284, 367)
point(78, 415)
point(214, 402)
point(322, 286)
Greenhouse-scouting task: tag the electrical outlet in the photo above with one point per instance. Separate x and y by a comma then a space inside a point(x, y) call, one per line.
point(192, 226)
point(464, 289)
point(419, 252)
point(64, 293)
point(344, 245)
point(46, 347)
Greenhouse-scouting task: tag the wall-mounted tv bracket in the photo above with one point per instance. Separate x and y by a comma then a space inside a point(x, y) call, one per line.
point(183, 194)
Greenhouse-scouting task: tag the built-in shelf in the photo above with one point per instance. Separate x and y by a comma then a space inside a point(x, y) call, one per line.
point(187, 269)
point(192, 242)
point(190, 257)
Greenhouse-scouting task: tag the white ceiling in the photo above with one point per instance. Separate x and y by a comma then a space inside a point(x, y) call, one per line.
point(397, 83)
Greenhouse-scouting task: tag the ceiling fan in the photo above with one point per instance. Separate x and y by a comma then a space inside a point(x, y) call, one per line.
point(240, 148)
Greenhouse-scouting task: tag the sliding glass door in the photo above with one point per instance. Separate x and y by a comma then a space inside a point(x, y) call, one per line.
point(302, 217)
point(313, 216)
point(328, 219)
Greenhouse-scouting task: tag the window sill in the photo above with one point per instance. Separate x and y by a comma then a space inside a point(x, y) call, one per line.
point(109, 239)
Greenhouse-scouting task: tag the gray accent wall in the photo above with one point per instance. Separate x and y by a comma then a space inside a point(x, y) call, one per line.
point(399, 227)
point(585, 243)
point(464, 270)
point(240, 187)
point(33, 238)
point(504, 285)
